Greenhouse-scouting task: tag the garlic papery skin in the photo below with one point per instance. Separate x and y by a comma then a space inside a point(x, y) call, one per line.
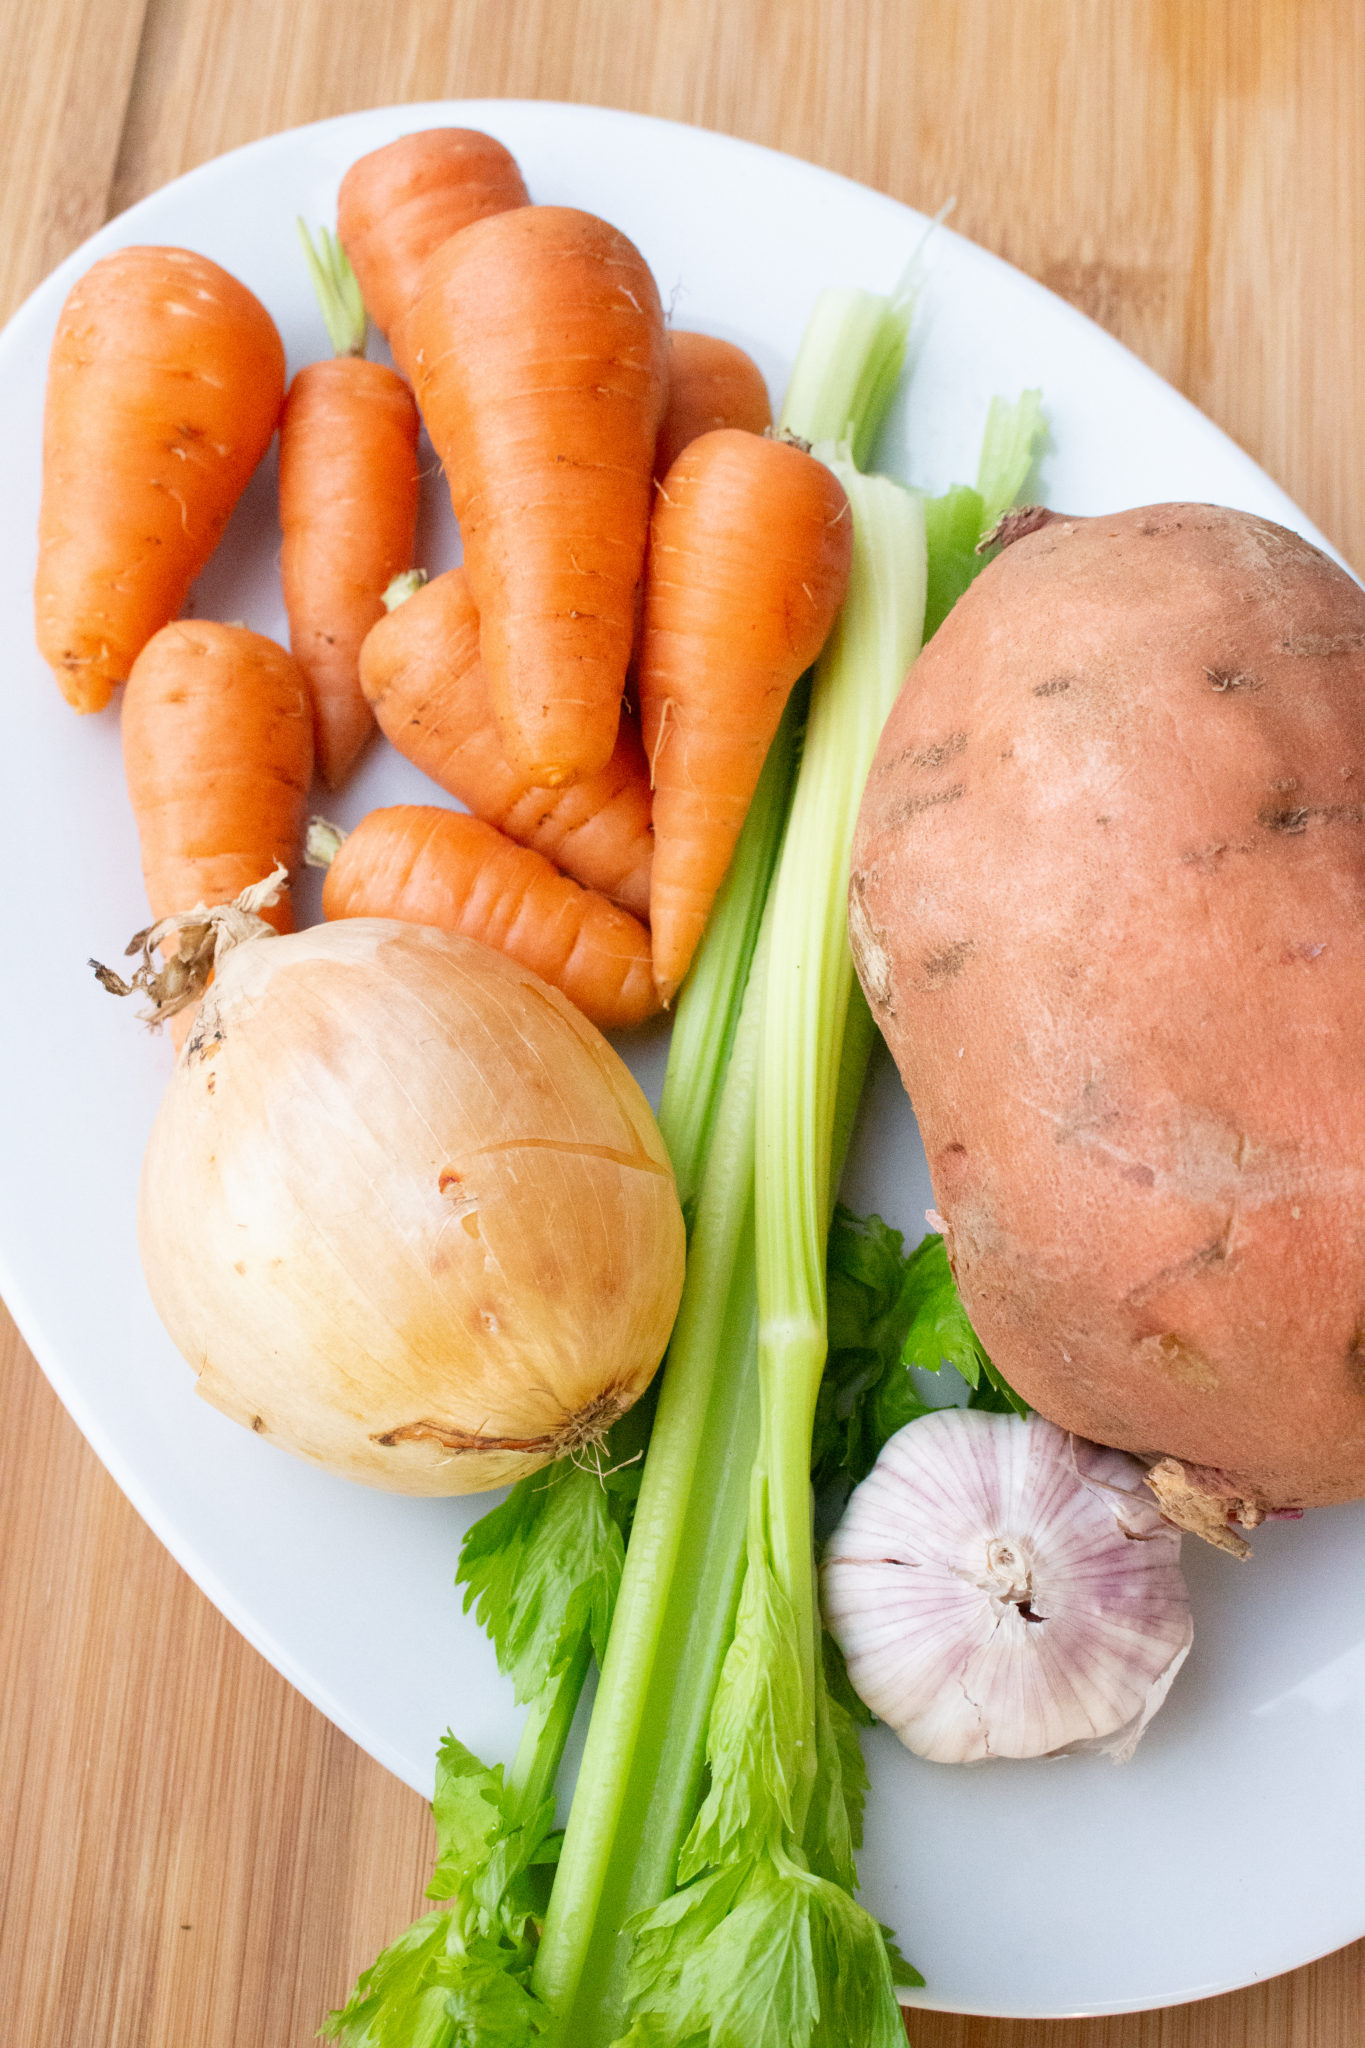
point(1000, 1588)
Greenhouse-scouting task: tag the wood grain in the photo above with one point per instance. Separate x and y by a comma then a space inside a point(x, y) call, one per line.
point(192, 1857)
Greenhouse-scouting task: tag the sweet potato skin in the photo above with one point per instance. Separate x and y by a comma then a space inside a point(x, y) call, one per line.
point(1108, 905)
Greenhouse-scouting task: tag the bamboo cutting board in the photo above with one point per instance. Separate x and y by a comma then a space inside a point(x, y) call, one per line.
point(192, 1857)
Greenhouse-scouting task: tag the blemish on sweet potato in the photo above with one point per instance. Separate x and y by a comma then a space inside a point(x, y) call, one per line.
point(871, 953)
point(911, 806)
point(1053, 688)
point(1224, 680)
point(1322, 646)
point(933, 756)
point(945, 962)
point(1178, 1361)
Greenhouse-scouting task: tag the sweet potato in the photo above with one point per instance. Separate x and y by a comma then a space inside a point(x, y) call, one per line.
point(1108, 904)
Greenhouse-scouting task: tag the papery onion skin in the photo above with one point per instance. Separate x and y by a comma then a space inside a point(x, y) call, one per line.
point(406, 1212)
point(1080, 1654)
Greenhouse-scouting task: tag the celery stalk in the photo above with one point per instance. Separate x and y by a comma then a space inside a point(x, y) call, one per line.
point(809, 983)
point(642, 1774)
point(766, 1873)
point(848, 366)
point(709, 1004)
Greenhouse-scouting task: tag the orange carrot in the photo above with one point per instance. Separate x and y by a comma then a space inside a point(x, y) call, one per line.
point(749, 554)
point(711, 383)
point(538, 350)
point(163, 390)
point(420, 670)
point(432, 866)
point(399, 203)
point(218, 752)
point(348, 510)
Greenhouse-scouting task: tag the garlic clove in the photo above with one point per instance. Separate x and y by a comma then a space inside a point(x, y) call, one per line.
point(1000, 1588)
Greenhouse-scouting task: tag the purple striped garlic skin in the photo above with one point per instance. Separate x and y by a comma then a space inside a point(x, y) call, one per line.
point(1000, 1588)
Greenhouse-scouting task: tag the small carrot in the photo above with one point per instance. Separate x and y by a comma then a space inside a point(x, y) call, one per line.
point(537, 345)
point(348, 509)
point(420, 669)
point(749, 554)
point(399, 203)
point(711, 383)
point(218, 753)
point(431, 866)
point(164, 386)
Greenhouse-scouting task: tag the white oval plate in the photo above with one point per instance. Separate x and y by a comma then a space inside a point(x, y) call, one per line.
point(1233, 1846)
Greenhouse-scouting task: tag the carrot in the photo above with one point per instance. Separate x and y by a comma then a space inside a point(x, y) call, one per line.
point(711, 383)
point(420, 670)
point(537, 345)
point(749, 553)
point(348, 509)
point(431, 866)
point(163, 390)
point(218, 753)
point(399, 203)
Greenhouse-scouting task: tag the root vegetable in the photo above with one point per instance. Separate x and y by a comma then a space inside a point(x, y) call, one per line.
point(402, 201)
point(348, 509)
point(218, 755)
point(1106, 906)
point(163, 390)
point(749, 552)
point(711, 383)
point(420, 669)
point(440, 867)
point(536, 344)
point(405, 1211)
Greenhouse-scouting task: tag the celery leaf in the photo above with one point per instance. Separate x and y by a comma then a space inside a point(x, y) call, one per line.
point(956, 525)
point(865, 1388)
point(940, 1333)
point(468, 1812)
point(755, 1727)
point(834, 1821)
point(952, 529)
point(761, 1954)
point(544, 1567)
point(891, 1314)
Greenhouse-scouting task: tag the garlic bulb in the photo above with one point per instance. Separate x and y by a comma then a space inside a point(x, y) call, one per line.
point(1000, 1588)
point(404, 1210)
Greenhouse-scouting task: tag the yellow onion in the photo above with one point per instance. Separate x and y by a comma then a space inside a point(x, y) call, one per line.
point(404, 1210)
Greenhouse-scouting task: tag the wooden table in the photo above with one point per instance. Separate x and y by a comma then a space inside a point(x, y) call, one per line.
point(194, 1858)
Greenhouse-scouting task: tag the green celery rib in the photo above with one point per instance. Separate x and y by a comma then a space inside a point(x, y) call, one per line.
point(642, 1769)
point(808, 986)
point(677, 1594)
point(709, 1005)
point(706, 1098)
point(544, 1733)
point(848, 365)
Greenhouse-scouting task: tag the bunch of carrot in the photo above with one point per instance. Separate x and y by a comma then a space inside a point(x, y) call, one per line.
point(627, 526)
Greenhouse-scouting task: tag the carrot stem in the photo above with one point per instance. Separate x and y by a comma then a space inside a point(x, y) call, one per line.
point(337, 292)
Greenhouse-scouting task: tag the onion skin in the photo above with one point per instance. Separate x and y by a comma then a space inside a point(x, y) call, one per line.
point(406, 1212)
